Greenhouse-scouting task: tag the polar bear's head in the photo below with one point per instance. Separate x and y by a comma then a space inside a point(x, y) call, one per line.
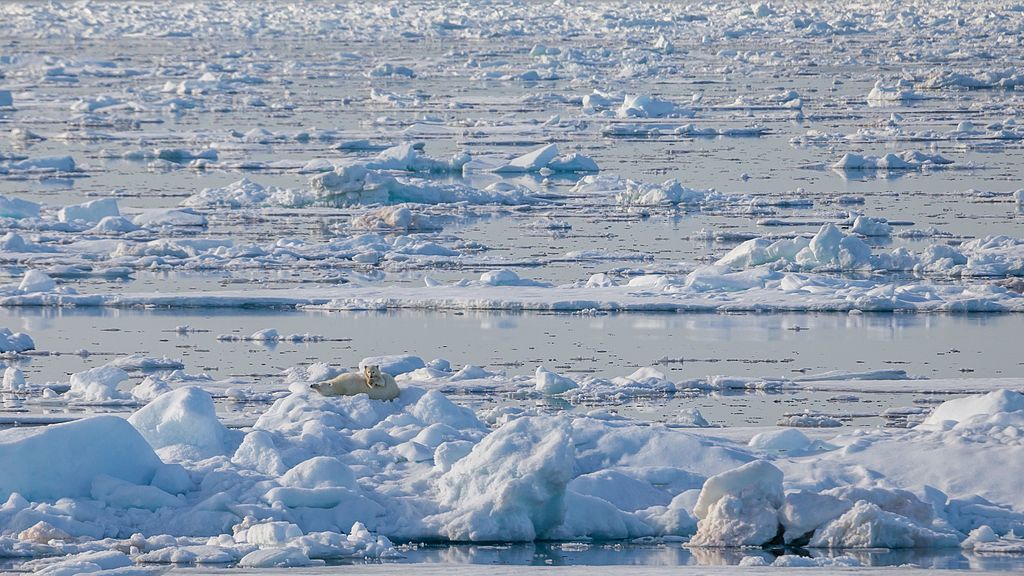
point(372, 374)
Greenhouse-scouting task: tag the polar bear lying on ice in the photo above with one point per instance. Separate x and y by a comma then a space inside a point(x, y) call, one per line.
point(371, 381)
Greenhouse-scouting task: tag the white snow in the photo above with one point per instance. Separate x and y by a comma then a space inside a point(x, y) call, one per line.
point(15, 341)
point(182, 424)
point(551, 383)
point(62, 460)
point(89, 212)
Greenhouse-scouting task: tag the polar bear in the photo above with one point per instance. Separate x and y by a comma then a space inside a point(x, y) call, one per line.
point(372, 382)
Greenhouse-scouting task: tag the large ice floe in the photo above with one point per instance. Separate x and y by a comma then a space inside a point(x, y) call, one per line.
point(334, 477)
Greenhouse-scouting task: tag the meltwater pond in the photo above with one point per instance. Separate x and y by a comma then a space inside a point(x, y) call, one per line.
point(791, 347)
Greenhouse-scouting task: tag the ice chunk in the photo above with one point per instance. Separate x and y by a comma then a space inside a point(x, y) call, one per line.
point(551, 383)
point(42, 532)
point(172, 478)
point(181, 155)
point(646, 106)
point(14, 379)
point(625, 492)
point(15, 342)
point(272, 533)
point(908, 160)
point(804, 512)
point(506, 277)
point(89, 212)
point(739, 507)
point(113, 225)
point(182, 424)
point(387, 69)
point(901, 92)
point(275, 558)
point(246, 193)
point(61, 460)
point(149, 389)
point(114, 561)
point(897, 501)
point(408, 158)
point(169, 217)
point(511, 487)
point(97, 385)
point(671, 192)
point(789, 440)
point(393, 364)
point(866, 226)
point(394, 218)
point(258, 452)
point(574, 162)
point(117, 493)
point(43, 164)
point(688, 417)
point(320, 472)
point(868, 526)
point(36, 281)
point(18, 208)
point(532, 161)
point(963, 409)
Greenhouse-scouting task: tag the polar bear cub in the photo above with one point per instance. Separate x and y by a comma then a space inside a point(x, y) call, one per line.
point(372, 382)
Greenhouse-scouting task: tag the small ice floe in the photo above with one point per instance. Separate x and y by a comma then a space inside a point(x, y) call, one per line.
point(270, 336)
point(547, 158)
point(908, 160)
point(15, 341)
point(900, 92)
point(809, 420)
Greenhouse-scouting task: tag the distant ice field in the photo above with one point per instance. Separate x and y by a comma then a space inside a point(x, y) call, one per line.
point(668, 284)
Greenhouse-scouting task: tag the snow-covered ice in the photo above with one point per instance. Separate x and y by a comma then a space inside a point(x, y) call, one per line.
point(719, 282)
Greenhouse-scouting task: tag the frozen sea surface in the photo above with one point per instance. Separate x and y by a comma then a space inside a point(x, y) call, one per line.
point(662, 283)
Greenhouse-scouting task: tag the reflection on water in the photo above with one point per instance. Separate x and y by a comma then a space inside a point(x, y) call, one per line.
point(666, 554)
point(687, 345)
point(684, 346)
point(675, 554)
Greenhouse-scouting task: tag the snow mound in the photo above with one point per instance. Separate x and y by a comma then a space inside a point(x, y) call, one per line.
point(182, 424)
point(512, 486)
point(89, 212)
point(866, 525)
point(962, 410)
point(98, 386)
point(62, 460)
